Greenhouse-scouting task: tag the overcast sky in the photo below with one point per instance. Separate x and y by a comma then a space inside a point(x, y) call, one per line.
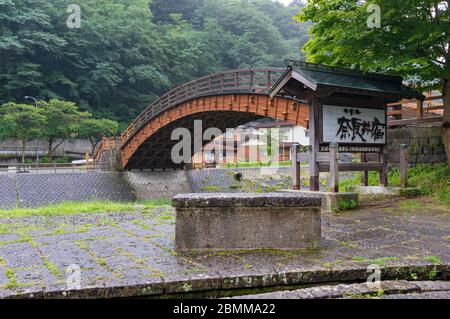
point(286, 2)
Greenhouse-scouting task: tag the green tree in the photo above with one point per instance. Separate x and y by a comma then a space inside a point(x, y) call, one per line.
point(113, 66)
point(183, 45)
point(413, 41)
point(251, 38)
point(21, 121)
point(115, 63)
point(294, 32)
point(163, 9)
point(27, 39)
point(62, 120)
point(127, 53)
point(95, 129)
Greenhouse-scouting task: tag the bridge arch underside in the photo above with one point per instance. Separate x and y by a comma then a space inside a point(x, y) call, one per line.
point(151, 146)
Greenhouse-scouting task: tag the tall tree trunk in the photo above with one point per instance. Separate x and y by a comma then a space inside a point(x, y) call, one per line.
point(446, 122)
point(24, 148)
point(50, 150)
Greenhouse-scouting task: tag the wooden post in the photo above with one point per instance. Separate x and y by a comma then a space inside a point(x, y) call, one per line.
point(398, 107)
point(365, 174)
point(419, 110)
point(295, 168)
point(87, 158)
point(403, 165)
point(334, 167)
point(384, 172)
point(314, 144)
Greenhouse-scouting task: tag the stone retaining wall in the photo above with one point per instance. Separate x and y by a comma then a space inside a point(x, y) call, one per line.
point(157, 185)
point(8, 192)
point(33, 190)
point(425, 144)
point(167, 184)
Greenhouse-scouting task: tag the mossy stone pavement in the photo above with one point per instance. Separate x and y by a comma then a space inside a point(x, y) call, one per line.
point(132, 254)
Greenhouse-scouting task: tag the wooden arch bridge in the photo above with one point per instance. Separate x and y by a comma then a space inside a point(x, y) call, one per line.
point(224, 100)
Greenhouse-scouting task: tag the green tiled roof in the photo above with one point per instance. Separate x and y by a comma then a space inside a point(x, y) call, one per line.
point(323, 76)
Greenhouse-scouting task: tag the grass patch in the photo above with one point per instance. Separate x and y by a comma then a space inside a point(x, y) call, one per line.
point(377, 261)
point(51, 267)
point(348, 244)
point(71, 208)
point(430, 179)
point(11, 275)
point(211, 189)
point(344, 204)
point(409, 204)
point(165, 217)
point(5, 229)
point(434, 260)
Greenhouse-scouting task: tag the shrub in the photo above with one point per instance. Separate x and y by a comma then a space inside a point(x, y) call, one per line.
point(430, 179)
point(63, 160)
point(346, 204)
point(45, 160)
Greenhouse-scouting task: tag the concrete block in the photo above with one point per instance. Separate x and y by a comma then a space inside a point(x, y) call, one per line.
point(247, 221)
point(331, 202)
point(393, 191)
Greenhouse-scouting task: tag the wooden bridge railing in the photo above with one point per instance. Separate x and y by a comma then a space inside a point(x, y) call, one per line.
point(234, 81)
point(413, 112)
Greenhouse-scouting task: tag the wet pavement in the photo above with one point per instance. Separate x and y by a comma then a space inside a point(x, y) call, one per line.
point(133, 253)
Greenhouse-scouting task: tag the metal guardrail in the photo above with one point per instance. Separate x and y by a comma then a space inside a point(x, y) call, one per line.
point(37, 168)
point(18, 152)
point(228, 82)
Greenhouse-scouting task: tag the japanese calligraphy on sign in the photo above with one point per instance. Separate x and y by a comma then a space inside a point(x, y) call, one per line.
point(353, 125)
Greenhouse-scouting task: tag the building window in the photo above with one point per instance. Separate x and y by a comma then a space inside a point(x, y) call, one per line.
point(306, 133)
point(263, 152)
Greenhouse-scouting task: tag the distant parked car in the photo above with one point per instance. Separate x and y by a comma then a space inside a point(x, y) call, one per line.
point(82, 161)
point(23, 169)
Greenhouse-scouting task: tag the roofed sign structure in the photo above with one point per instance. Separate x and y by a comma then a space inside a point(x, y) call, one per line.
point(347, 107)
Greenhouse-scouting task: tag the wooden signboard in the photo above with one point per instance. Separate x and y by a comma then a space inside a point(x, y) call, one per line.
point(355, 129)
point(350, 129)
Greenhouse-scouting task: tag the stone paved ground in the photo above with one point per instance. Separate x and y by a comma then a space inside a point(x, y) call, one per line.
point(137, 248)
